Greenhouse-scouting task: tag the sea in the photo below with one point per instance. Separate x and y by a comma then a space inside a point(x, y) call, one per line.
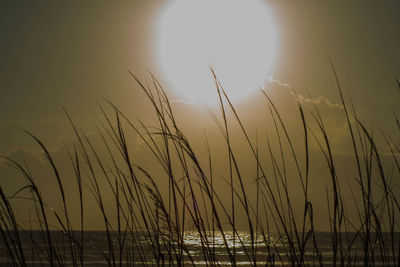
point(213, 249)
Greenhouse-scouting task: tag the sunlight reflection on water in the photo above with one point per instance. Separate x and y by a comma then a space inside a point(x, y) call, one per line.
point(238, 240)
point(194, 249)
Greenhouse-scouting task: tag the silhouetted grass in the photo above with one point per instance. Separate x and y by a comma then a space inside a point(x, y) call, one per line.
point(148, 224)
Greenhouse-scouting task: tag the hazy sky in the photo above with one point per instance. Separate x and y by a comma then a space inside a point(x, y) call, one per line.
point(66, 54)
point(69, 54)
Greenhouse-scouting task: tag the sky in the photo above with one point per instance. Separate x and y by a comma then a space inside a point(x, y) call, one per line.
point(73, 54)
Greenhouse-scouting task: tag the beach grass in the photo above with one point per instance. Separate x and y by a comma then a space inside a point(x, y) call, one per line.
point(148, 223)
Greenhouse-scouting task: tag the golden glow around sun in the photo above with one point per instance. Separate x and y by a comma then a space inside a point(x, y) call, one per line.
point(235, 37)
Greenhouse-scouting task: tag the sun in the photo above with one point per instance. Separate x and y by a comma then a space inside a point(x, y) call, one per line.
point(236, 38)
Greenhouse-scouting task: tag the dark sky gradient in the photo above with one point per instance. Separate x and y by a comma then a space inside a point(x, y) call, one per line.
point(65, 54)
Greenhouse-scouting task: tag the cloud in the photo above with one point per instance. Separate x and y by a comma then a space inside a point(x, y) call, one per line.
point(271, 79)
point(181, 101)
point(19, 153)
point(317, 101)
point(43, 120)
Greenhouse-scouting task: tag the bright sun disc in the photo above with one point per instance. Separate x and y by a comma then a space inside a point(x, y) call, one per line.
point(235, 37)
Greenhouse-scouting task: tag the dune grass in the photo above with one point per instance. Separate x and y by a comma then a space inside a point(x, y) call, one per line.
point(148, 224)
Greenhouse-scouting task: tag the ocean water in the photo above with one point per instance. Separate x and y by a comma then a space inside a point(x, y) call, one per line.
point(213, 249)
